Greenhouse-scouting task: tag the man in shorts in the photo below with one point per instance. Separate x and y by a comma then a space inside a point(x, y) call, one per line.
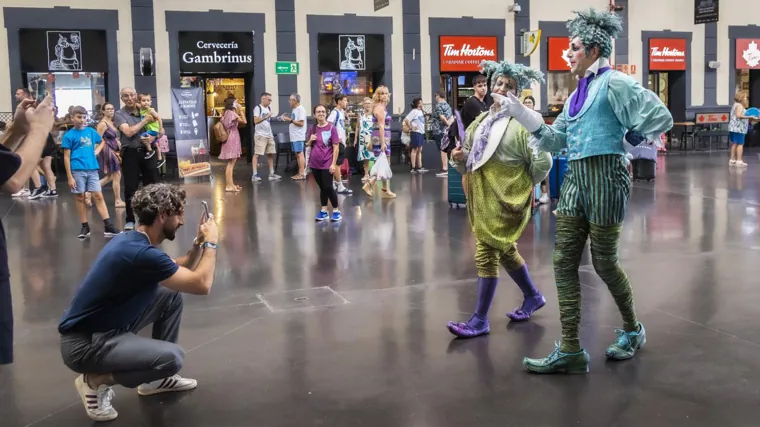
point(440, 121)
point(263, 139)
point(297, 131)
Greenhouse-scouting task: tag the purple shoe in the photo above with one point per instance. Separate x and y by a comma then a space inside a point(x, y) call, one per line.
point(474, 327)
point(529, 306)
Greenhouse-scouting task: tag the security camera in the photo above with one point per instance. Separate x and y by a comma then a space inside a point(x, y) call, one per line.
point(515, 8)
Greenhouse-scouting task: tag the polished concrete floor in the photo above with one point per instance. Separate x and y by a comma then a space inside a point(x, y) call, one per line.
point(345, 324)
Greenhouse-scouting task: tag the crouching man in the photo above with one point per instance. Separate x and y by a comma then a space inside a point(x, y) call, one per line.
point(132, 284)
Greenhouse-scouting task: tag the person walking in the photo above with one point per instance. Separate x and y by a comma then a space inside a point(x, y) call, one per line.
point(324, 140)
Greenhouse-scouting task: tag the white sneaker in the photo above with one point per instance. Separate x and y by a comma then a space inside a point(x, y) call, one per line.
point(544, 199)
point(732, 162)
point(24, 192)
point(97, 403)
point(741, 164)
point(168, 384)
point(274, 177)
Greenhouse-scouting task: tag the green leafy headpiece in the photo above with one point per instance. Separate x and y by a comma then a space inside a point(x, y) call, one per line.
point(523, 75)
point(596, 29)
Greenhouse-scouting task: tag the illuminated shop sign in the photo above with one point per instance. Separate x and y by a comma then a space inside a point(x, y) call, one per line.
point(214, 52)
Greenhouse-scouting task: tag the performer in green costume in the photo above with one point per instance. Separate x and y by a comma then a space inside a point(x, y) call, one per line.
point(607, 108)
point(502, 172)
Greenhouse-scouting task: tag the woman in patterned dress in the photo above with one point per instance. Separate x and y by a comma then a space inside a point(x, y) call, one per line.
point(110, 157)
point(363, 137)
point(231, 149)
point(381, 137)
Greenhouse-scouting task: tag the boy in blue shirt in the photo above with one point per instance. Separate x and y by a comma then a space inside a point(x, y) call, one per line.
point(80, 159)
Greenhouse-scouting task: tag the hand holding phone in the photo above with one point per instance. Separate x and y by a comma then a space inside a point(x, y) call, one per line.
point(206, 213)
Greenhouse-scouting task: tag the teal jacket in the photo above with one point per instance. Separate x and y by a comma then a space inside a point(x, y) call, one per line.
point(616, 104)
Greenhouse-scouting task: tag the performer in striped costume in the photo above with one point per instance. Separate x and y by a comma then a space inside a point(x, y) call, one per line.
point(607, 108)
point(502, 172)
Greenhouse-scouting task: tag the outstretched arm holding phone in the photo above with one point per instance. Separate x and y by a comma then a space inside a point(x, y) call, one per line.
point(193, 257)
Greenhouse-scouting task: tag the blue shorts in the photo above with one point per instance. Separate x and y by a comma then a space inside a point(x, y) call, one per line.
point(148, 133)
point(297, 146)
point(417, 139)
point(736, 138)
point(86, 181)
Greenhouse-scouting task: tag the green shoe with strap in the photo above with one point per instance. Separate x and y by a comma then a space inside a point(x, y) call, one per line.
point(626, 344)
point(559, 363)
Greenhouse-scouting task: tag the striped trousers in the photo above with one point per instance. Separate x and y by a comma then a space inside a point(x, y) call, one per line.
point(593, 203)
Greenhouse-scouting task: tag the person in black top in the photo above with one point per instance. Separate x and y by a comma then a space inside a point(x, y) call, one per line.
point(478, 103)
point(20, 150)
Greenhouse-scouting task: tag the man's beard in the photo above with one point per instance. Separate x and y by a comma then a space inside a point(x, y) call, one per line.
point(169, 232)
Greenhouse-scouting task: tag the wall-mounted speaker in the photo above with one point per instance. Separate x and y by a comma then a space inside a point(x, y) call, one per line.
point(146, 61)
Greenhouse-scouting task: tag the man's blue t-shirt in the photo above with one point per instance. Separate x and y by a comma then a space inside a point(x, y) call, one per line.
point(120, 285)
point(82, 144)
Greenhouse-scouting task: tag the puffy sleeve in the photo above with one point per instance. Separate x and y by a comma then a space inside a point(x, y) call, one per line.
point(551, 138)
point(469, 137)
point(539, 162)
point(637, 108)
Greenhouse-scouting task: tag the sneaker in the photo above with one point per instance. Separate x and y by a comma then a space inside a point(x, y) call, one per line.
point(50, 193)
point(22, 193)
point(161, 163)
point(741, 164)
point(343, 190)
point(274, 177)
point(97, 403)
point(559, 363)
point(129, 226)
point(322, 216)
point(414, 170)
point(732, 162)
point(626, 344)
point(150, 154)
point(36, 194)
point(336, 216)
point(544, 199)
point(256, 178)
point(423, 170)
point(84, 232)
point(442, 174)
point(111, 231)
point(166, 385)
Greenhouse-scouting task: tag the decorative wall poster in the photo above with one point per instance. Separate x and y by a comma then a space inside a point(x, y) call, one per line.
point(64, 51)
point(351, 50)
point(706, 11)
point(190, 133)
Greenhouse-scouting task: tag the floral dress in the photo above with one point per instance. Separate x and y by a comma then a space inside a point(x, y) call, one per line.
point(232, 148)
point(363, 151)
point(376, 146)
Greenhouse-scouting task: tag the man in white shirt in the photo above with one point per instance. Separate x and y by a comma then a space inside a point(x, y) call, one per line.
point(338, 119)
point(297, 130)
point(263, 139)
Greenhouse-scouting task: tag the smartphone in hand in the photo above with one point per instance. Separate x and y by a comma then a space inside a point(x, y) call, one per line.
point(205, 210)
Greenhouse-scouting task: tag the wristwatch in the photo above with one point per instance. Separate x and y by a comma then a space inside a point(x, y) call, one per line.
point(209, 245)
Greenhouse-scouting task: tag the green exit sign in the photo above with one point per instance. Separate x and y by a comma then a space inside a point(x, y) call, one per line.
point(286, 68)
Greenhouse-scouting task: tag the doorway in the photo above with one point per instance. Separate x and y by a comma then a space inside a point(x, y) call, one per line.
point(457, 87)
point(670, 87)
point(216, 89)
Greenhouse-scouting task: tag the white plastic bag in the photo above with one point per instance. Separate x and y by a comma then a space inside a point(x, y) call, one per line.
point(381, 169)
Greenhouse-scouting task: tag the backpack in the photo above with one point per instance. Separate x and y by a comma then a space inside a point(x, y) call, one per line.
point(220, 133)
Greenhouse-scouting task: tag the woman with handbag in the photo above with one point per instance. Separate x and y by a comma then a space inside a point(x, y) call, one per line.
point(381, 142)
point(231, 147)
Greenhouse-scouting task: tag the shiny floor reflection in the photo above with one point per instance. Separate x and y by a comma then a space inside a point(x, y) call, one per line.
point(345, 324)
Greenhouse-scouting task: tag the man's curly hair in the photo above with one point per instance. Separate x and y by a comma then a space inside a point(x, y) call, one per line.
point(156, 199)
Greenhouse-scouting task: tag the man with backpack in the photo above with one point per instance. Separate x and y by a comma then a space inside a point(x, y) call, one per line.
point(263, 139)
point(337, 118)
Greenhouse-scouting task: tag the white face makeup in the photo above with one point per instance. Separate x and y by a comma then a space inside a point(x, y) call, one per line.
point(503, 85)
point(579, 61)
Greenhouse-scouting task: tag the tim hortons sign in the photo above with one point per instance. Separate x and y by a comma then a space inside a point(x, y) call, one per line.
point(465, 53)
point(667, 54)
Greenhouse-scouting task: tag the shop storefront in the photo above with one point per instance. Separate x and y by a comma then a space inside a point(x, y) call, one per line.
point(69, 65)
point(459, 63)
point(747, 62)
point(560, 83)
point(350, 64)
point(222, 65)
point(667, 73)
